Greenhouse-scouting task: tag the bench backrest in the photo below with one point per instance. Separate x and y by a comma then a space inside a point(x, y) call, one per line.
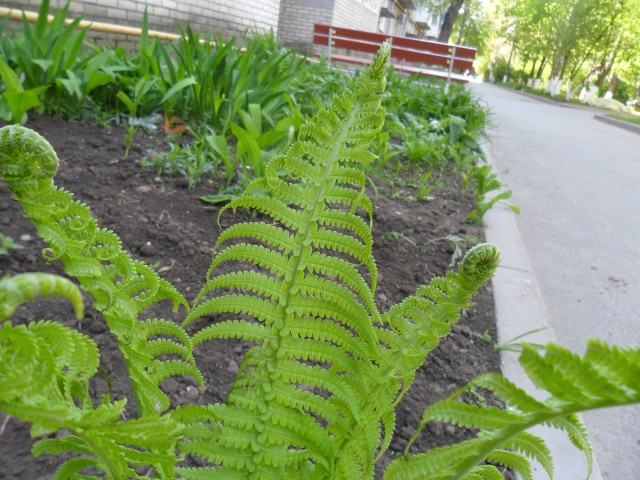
point(415, 50)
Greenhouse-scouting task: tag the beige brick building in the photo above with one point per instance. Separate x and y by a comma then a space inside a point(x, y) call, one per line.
point(291, 20)
point(225, 17)
point(297, 17)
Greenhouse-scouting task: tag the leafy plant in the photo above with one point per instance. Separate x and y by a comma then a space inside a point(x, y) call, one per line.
point(93, 71)
point(7, 243)
point(16, 101)
point(225, 80)
point(385, 150)
point(315, 395)
point(45, 53)
point(122, 288)
point(606, 376)
point(485, 180)
point(256, 147)
point(458, 244)
point(192, 160)
point(387, 237)
point(44, 379)
point(141, 90)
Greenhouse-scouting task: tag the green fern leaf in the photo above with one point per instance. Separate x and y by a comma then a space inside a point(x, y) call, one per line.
point(55, 365)
point(621, 365)
point(327, 332)
point(276, 263)
point(233, 329)
point(271, 234)
point(577, 434)
point(211, 473)
point(513, 461)
point(71, 469)
point(502, 430)
point(434, 464)
point(547, 376)
point(19, 289)
point(56, 446)
point(258, 283)
point(307, 303)
point(122, 287)
point(263, 310)
point(470, 416)
point(510, 394)
point(485, 472)
point(533, 447)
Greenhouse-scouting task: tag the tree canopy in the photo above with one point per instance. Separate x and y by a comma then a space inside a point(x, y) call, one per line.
point(581, 41)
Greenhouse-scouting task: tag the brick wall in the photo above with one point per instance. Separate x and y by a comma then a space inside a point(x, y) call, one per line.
point(226, 17)
point(354, 14)
point(297, 17)
point(295, 28)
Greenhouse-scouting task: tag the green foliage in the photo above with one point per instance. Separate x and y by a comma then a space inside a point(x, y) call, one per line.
point(302, 402)
point(7, 243)
point(16, 101)
point(315, 395)
point(191, 160)
point(308, 295)
point(484, 181)
point(222, 80)
point(44, 379)
point(121, 287)
point(605, 377)
point(423, 100)
point(581, 42)
point(46, 56)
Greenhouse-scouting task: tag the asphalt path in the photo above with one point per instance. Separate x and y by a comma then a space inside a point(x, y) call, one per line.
point(577, 182)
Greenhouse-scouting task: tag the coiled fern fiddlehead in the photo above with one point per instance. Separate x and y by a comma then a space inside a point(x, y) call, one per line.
point(122, 288)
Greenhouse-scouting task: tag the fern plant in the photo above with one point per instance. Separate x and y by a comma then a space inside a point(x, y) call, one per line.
point(607, 376)
point(315, 395)
point(44, 379)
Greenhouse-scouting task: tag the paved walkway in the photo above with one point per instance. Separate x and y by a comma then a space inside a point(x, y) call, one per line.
point(572, 258)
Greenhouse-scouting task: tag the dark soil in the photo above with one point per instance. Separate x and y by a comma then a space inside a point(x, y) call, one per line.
point(165, 223)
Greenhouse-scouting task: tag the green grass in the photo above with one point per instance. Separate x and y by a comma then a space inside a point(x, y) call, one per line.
point(625, 117)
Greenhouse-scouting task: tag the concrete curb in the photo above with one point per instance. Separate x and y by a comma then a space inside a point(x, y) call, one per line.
point(520, 308)
point(632, 127)
point(558, 102)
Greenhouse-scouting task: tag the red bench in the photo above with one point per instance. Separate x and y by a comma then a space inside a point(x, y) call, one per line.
point(410, 55)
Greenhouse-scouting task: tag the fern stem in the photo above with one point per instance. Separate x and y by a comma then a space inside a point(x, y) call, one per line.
point(111, 469)
point(533, 420)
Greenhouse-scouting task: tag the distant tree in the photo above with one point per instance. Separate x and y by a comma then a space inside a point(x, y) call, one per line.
point(583, 40)
point(449, 19)
point(473, 26)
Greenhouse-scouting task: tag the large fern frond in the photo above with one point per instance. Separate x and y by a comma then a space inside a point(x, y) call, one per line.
point(606, 376)
point(324, 357)
point(121, 287)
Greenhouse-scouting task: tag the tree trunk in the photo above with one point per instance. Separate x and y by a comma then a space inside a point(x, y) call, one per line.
point(508, 69)
point(541, 67)
point(449, 20)
point(533, 68)
point(463, 23)
point(605, 66)
point(614, 84)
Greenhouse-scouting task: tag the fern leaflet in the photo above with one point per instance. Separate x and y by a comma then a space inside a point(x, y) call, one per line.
point(597, 377)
